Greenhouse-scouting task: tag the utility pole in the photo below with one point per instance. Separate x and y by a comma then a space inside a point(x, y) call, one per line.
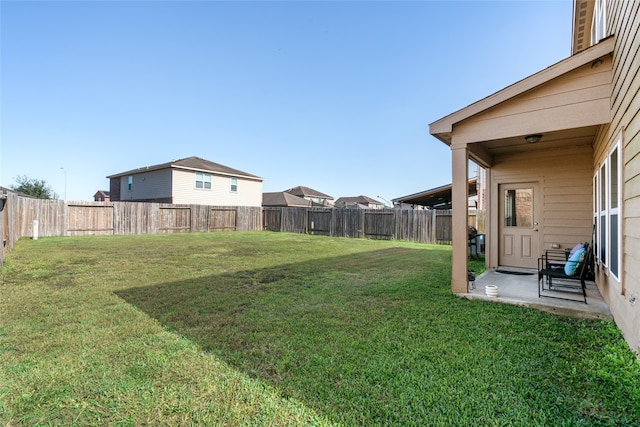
point(386, 201)
point(65, 183)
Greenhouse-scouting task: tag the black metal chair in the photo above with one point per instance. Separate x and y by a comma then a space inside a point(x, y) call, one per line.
point(552, 277)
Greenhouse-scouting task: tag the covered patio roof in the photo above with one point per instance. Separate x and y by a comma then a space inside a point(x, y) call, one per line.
point(435, 198)
point(565, 102)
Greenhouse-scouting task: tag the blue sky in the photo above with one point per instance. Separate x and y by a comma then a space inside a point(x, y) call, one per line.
point(333, 95)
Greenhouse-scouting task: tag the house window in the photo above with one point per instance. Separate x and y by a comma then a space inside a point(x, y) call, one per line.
point(203, 180)
point(607, 213)
point(234, 185)
point(130, 183)
point(614, 211)
point(599, 23)
point(602, 213)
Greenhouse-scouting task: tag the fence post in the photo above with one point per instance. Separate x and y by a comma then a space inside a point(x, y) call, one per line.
point(434, 226)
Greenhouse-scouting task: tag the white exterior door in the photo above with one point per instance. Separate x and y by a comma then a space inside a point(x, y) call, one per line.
point(519, 228)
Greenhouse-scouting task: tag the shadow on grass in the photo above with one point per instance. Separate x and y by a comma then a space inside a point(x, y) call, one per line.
point(377, 338)
point(303, 327)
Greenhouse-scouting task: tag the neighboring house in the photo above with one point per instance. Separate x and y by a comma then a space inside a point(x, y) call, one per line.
point(101, 196)
point(312, 195)
point(282, 199)
point(187, 181)
point(561, 149)
point(360, 202)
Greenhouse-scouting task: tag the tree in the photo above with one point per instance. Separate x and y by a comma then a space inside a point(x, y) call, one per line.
point(37, 188)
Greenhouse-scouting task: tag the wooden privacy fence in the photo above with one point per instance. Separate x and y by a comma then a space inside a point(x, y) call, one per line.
point(149, 218)
point(421, 226)
point(60, 218)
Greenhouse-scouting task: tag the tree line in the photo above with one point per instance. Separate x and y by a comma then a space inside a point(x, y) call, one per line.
point(33, 187)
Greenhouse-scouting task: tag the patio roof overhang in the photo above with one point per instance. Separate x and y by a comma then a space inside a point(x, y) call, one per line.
point(566, 102)
point(435, 198)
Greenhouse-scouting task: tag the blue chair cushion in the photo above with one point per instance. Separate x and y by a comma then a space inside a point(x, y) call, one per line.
point(571, 267)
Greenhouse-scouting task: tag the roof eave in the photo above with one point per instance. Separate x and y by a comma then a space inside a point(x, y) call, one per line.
point(582, 21)
point(175, 166)
point(443, 128)
point(235, 175)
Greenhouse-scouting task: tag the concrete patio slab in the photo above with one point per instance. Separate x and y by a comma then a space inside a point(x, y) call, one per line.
point(522, 289)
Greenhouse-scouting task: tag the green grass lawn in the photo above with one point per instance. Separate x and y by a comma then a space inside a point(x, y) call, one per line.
point(259, 328)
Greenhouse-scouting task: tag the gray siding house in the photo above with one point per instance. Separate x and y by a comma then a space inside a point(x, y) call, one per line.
point(187, 181)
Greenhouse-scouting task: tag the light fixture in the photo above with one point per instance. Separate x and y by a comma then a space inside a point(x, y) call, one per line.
point(532, 139)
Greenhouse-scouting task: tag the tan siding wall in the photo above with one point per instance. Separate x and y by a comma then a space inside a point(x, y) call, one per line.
point(623, 297)
point(249, 191)
point(146, 185)
point(565, 187)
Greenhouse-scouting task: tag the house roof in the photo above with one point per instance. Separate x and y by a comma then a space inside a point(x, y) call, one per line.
point(302, 191)
point(191, 163)
point(439, 197)
point(283, 199)
point(102, 193)
point(364, 200)
point(443, 128)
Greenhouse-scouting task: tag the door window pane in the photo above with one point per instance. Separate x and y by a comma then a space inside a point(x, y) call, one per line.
point(518, 208)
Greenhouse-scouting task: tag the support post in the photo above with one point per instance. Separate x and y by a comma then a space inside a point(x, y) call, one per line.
point(459, 201)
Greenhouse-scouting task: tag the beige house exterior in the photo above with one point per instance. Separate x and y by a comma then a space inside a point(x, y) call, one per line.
point(581, 181)
point(187, 181)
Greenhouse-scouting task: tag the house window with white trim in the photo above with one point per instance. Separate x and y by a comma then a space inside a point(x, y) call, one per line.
point(607, 183)
point(614, 211)
point(599, 23)
point(234, 185)
point(602, 214)
point(130, 183)
point(203, 180)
